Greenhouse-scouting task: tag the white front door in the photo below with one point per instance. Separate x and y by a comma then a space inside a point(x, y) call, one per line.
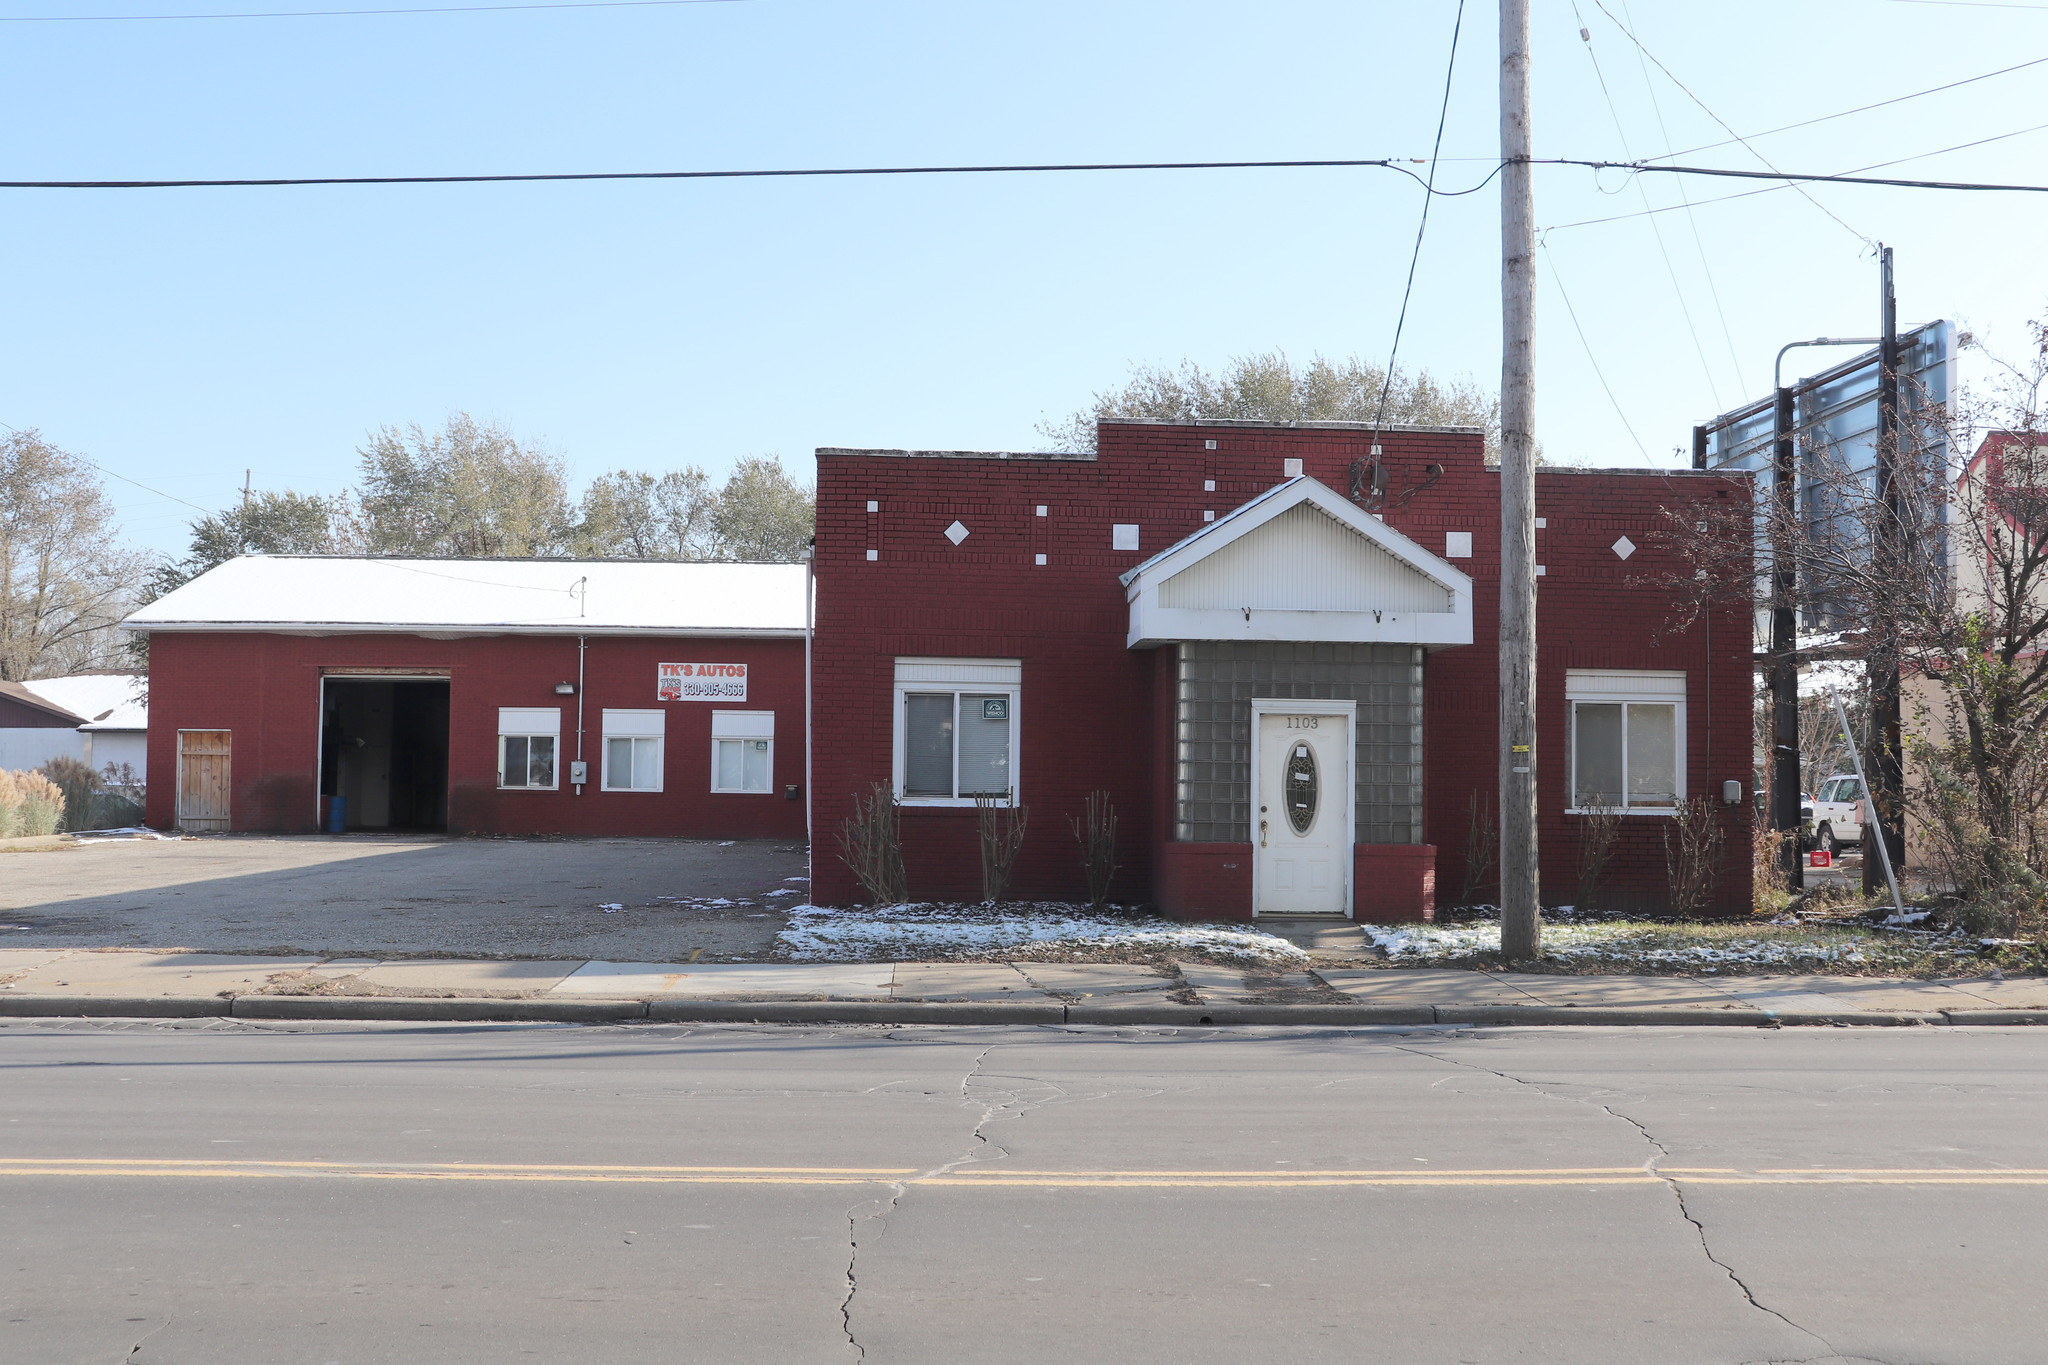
point(1301, 823)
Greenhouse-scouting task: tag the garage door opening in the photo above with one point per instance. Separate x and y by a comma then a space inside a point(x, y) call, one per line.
point(384, 752)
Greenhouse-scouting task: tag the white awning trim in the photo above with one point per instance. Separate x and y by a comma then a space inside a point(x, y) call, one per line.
point(743, 725)
point(1298, 563)
point(961, 672)
point(530, 720)
point(624, 724)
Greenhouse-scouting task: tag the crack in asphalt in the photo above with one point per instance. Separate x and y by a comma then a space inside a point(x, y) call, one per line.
point(1001, 1104)
point(1660, 1153)
point(169, 1318)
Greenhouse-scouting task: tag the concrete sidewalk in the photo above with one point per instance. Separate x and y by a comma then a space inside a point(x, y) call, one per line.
point(81, 982)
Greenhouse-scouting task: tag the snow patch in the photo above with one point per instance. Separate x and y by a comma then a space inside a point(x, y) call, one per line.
point(911, 932)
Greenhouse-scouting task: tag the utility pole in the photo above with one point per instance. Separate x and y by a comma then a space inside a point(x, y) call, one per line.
point(1520, 908)
point(1785, 640)
point(1886, 794)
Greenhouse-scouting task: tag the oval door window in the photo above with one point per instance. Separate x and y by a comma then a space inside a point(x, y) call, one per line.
point(1303, 788)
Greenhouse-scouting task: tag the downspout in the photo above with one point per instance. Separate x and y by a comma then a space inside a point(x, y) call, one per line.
point(579, 710)
point(809, 553)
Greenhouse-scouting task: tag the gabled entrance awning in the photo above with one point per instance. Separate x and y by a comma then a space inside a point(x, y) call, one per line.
point(1298, 562)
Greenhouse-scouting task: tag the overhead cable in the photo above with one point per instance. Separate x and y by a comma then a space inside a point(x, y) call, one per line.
point(1429, 197)
point(1629, 33)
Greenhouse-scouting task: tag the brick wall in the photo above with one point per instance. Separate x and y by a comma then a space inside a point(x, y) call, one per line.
point(266, 690)
point(1091, 711)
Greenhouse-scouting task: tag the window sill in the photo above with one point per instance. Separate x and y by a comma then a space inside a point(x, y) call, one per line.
point(631, 791)
point(742, 791)
point(1666, 811)
point(943, 803)
point(554, 788)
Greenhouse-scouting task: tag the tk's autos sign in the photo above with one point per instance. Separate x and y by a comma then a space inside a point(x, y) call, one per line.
point(703, 682)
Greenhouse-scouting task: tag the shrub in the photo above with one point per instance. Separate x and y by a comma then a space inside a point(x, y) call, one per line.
point(1692, 856)
point(30, 804)
point(871, 843)
point(1002, 834)
point(1767, 869)
point(1482, 845)
point(1095, 832)
point(81, 788)
point(1596, 848)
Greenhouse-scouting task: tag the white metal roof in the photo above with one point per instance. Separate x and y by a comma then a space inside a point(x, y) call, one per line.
point(104, 701)
point(445, 598)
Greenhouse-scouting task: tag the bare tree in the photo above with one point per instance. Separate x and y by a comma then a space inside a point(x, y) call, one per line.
point(65, 580)
point(469, 489)
point(1943, 573)
point(1268, 387)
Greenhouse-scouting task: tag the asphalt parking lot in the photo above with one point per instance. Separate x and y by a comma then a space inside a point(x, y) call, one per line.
point(394, 896)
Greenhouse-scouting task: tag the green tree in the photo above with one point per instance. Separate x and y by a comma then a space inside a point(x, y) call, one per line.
point(633, 515)
point(267, 523)
point(1269, 387)
point(763, 515)
point(470, 489)
point(65, 579)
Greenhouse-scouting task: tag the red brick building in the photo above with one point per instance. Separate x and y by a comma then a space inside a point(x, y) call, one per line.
point(480, 696)
point(1273, 646)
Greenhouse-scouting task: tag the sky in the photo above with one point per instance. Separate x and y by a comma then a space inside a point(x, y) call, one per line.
point(179, 338)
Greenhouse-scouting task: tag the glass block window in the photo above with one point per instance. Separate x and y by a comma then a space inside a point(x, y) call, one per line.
point(1217, 681)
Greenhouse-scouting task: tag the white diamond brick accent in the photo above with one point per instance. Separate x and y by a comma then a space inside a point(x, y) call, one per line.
point(956, 533)
point(1624, 547)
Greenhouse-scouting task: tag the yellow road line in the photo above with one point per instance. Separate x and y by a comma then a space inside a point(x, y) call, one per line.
point(994, 1175)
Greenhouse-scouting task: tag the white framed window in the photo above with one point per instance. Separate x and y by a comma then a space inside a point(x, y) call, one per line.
point(743, 751)
point(528, 740)
point(956, 730)
point(632, 750)
point(1627, 740)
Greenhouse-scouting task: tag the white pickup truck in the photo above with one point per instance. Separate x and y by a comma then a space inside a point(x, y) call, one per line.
point(1835, 815)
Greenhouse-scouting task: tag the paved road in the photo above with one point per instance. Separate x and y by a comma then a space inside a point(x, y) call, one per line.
point(227, 1192)
point(370, 896)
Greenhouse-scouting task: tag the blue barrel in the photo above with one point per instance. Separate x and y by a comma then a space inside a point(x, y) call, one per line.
point(337, 814)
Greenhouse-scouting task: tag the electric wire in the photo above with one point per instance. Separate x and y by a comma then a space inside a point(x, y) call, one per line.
point(169, 497)
point(1630, 35)
point(1428, 198)
point(1859, 109)
point(1671, 270)
point(349, 13)
point(1692, 219)
point(1573, 313)
point(273, 182)
point(1854, 177)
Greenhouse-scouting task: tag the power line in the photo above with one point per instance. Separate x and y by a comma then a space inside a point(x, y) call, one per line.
point(346, 13)
point(1684, 310)
point(278, 181)
point(1573, 313)
point(1854, 177)
point(1428, 198)
point(1691, 218)
point(1794, 179)
point(1630, 35)
point(1861, 108)
point(170, 497)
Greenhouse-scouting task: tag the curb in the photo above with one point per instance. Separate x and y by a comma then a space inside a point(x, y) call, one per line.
point(856, 1012)
point(1508, 1016)
point(114, 1006)
point(1152, 1014)
point(436, 1010)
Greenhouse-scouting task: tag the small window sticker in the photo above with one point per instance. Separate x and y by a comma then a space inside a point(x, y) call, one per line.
point(995, 708)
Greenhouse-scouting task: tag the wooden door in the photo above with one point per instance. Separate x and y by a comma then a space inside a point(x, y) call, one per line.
point(203, 773)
